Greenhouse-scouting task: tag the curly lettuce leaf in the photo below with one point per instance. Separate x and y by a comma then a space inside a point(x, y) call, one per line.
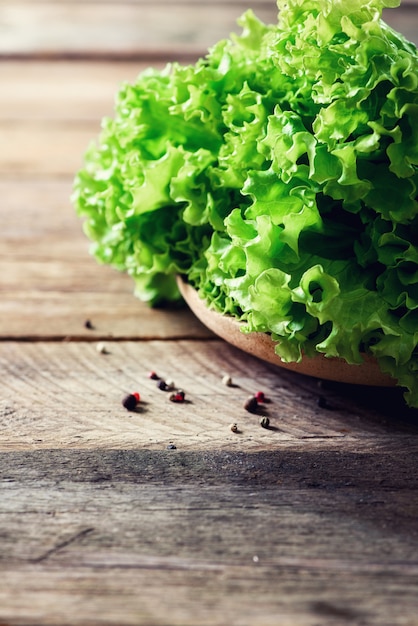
point(279, 175)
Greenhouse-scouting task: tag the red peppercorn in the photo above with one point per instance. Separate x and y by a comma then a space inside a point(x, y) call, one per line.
point(153, 376)
point(178, 396)
point(259, 396)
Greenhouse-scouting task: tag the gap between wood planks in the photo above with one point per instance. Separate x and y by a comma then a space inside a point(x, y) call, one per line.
point(128, 56)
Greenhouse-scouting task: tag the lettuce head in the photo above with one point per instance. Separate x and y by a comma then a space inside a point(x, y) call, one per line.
point(278, 175)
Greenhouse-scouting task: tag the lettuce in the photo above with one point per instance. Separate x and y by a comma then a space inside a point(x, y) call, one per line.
point(279, 175)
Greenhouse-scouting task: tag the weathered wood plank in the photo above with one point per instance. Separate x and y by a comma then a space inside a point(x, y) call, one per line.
point(50, 285)
point(310, 522)
point(115, 314)
point(51, 112)
point(130, 537)
point(50, 92)
point(52, 150)
point(138, 29)
point(322, 469)
point(69, 395)
point(186, 593)
point(120, 28)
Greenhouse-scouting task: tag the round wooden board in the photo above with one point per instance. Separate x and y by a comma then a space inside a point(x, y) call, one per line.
point(262, 346)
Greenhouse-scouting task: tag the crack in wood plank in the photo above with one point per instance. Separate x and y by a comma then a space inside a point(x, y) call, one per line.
point(62, 544)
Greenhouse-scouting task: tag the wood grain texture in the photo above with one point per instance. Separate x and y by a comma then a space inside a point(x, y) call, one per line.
point(50, 285)
point(48, 139)
point(309, 523)
point(67, 103)
point(62, 91)
point(125, 28)
point(137, 29)
point(70, 395)
point(131, 537)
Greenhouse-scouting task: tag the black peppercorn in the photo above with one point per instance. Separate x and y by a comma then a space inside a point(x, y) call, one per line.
point(130, 401)
point(251, 404)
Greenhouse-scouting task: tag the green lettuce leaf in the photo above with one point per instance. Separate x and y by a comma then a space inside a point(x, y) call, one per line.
point(279, 175)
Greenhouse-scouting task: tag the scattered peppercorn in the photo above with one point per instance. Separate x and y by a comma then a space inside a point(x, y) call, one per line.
point(178, 396)
point(88, 325)
point(170, 384)
point(260, 397)
point(101, 347)
point(264, 422)
point(227, 380)
point(171, 446)
point(251, 404)
point(161, 384)
point(153, 376)
point(130, 401)
point(234, 428)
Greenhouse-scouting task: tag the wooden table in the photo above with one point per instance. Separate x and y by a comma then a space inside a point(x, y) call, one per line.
point(164, 516)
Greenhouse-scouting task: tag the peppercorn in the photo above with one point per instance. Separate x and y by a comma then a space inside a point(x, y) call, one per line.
point(260, 397)
point(251, 404)
point(178, 396)
point(161, 384)
point(153, 376)
point(170, 384)
point(171, 446)
point(234, 428)
point(264, 422)
point(227, 380)
point(130, 401)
